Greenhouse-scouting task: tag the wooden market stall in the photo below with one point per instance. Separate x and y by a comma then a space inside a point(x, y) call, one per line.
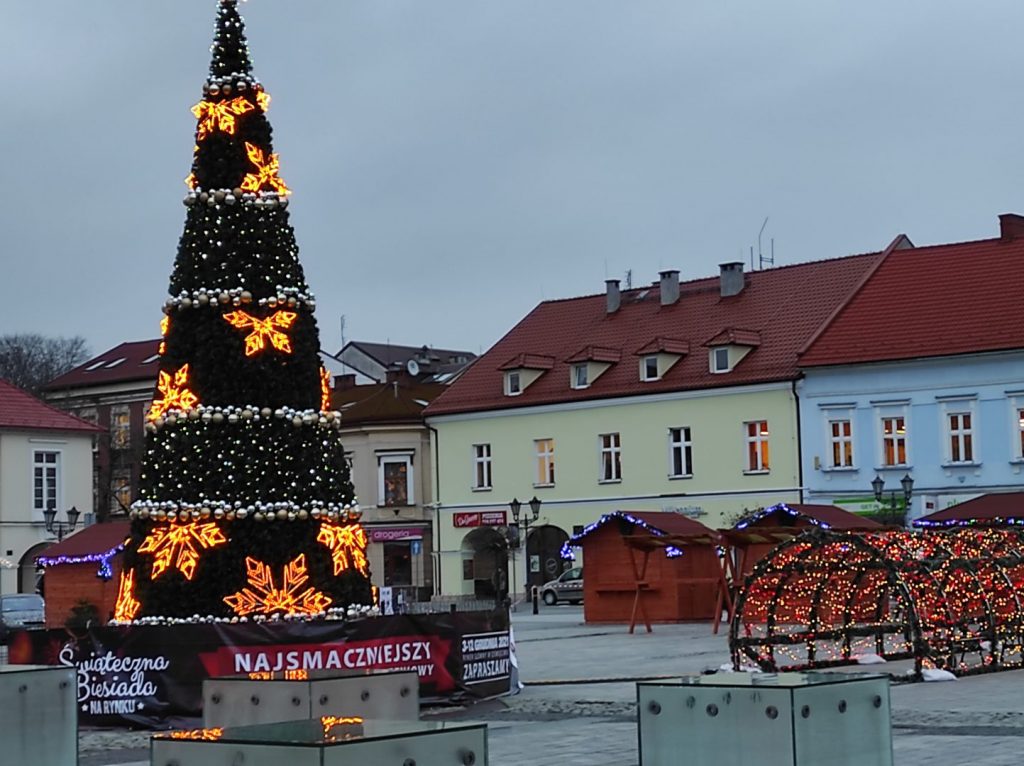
point(83, 567)
point(651, 565)
point(753, 538)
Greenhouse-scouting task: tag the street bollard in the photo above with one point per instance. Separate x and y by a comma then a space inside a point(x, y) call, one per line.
point(535, 594)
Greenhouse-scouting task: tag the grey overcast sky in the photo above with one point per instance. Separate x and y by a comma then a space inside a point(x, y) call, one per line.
point(456, 161)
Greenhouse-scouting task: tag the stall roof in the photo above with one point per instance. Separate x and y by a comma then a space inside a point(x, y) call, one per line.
point(826, 516)
point(681, 528)
point(996, 508)
point(87, 545)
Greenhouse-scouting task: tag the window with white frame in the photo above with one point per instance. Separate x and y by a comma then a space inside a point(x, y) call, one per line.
point(394, 480)
point(544, 452)
point(481, 466)
point(840, 437)
point(120, 427)
point(611, 457)
point(894, 441)
point(961, 437)
point(580, 378)
point(719, 360)
point(755, 434)
point(513, 384)
point(1020, 431)
point(649, 368)
point(45, 479)
point(680, 453)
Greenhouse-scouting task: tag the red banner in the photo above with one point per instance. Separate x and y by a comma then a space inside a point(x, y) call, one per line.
point(478, 518)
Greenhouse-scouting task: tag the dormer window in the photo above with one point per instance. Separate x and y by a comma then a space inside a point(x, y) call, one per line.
point(580, 378)
point(649, 368)
point(512, 384)
point(720, 360)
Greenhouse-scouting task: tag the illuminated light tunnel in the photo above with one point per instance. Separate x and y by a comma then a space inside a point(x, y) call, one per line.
point(948, 599)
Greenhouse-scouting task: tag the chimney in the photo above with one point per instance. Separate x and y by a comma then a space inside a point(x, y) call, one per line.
point(344, 382)
point(730, 279)
point(1011, 226)
point(669, 286)
point(614, 297)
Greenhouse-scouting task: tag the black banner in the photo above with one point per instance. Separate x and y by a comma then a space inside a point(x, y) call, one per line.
point(143, 675)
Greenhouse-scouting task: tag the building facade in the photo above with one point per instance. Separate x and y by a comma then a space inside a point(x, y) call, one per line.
point(927, 384)
point(46, 461)
point(677, 396)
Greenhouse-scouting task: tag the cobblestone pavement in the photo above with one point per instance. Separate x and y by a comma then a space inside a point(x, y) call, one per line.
point(591, 720)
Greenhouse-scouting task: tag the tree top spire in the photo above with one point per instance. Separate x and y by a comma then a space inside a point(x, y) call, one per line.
point(230, 49)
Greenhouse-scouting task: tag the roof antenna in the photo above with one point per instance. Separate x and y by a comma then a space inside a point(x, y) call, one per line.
point(761, 257)
point(629, 279)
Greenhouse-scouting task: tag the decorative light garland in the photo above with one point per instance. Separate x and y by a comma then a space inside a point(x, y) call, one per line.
point(239, 296)
point(332, 614)
point(105, 572)
point(576, 540)
point(231, 415)
point(286, 510)
point(784, 508)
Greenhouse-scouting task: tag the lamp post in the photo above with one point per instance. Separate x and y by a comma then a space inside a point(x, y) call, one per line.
point(907, 484)
point(59, 527)
point(527, 519)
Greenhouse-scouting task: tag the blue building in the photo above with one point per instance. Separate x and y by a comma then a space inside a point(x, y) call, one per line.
point(920, 374)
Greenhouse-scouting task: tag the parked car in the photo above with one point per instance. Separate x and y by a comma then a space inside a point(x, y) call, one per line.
point(20, 610)
point(567, 587)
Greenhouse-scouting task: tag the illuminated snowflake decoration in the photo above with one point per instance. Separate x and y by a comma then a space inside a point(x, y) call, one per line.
point(270, 329)
point(174, 393)
point(126, 606)
point(263, 597)
point(178, 546)
point(165, 326)
point(348, 547)
point(265, 173)
point(220, 115)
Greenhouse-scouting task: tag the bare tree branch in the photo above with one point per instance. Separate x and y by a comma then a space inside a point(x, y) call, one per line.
point(29, 360)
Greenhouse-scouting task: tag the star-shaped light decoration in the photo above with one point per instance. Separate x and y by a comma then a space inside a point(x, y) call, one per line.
point(348, 547)
point(325, 390)
point(263, 597)
point(263, 99)
point(272, 329)
point(126, 606)
point(178, 545)
point(174, 393)
point(220, 115)
point(265, 174)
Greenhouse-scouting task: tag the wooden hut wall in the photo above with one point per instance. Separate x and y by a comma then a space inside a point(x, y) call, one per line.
point(67, 584)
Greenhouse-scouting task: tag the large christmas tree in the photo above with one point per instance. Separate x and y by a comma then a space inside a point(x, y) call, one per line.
point(245, 506)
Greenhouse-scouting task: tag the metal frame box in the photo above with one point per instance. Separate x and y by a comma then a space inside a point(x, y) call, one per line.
point(326, 741)
point(773, 719)
point(38, 715)
point(270, 697)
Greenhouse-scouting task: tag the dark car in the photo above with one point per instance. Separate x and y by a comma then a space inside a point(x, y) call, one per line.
point(20, 610)
point(567, 587)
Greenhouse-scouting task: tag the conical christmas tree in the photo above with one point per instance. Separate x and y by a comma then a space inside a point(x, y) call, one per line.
point(245, 506)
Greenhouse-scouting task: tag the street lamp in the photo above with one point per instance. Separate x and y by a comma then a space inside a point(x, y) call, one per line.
point(59, 527)
point(527, 519)
point(907, 484)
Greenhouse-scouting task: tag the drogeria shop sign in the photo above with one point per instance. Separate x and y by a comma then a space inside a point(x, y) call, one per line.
point(142, 675)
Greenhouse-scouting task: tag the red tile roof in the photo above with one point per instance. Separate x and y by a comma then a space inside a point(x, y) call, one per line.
point(90, 541)
point(829, 516)
point(384, 402)
point(736, 337)
point(784, 305)
point(22, 411)
point(998, 507)
point(127, 362)
point(940, 300)
point(664, 346)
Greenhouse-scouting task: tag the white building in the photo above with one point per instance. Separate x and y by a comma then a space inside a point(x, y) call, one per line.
point(46, 460)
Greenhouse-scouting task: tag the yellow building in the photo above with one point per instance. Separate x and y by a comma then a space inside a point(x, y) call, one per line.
point(677, 397)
